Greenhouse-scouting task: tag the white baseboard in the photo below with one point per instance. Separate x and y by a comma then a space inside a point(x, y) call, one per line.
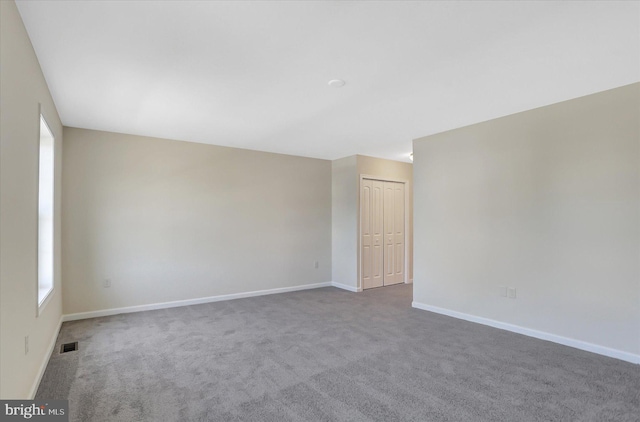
point(45, 361)
point(345, 287)
point(578, 344)
point(187, 302)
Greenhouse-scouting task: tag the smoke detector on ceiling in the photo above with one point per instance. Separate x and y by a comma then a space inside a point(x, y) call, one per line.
point(337, 83)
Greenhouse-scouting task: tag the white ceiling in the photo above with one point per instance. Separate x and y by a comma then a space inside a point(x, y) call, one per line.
point(254, 74)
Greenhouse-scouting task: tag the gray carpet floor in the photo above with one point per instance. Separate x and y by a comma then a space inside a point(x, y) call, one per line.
point(327, 355)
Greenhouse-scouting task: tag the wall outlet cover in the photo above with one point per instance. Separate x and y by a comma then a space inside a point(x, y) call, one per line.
point(512, 292)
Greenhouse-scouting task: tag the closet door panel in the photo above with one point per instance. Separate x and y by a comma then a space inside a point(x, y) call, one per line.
point(365, 230)
point(377, 231)
point(394, 233)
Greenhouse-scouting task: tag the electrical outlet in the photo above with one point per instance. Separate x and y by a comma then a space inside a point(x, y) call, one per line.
point(511, 292)
point(26, 345)
point(503, 291)
point(316, 265)
point(106, 283)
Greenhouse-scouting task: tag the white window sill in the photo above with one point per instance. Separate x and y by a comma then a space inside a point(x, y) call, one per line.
point(47, 297)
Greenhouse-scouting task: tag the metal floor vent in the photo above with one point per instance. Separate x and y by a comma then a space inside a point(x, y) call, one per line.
point(69, 347)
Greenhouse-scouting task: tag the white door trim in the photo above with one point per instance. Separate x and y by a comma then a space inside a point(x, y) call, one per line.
point(406, 224)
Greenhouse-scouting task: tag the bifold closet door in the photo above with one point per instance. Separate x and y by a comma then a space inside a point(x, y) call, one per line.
point(393, 233)
point(371, 220)
point(382, 233)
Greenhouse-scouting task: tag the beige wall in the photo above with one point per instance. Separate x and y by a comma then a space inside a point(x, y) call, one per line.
point(346, 173)
point(167, 220)
point(546, 201)
point(23, 87)
point(344, 219)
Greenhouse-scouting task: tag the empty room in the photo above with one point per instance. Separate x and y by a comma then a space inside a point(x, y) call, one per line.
point(319, 210)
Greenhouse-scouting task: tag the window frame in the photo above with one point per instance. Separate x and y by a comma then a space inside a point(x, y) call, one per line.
point(43, 299)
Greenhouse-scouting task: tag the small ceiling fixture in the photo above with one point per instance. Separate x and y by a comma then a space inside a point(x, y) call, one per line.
point(337, 83)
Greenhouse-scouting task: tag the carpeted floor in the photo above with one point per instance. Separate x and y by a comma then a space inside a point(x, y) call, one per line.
point(327, 355)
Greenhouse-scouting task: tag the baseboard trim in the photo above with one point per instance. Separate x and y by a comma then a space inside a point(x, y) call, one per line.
point(45, 361)
point(345, 287)
point(578, 344)
point(188, 302)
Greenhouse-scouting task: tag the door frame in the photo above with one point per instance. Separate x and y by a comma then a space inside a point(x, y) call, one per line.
point(406, 225)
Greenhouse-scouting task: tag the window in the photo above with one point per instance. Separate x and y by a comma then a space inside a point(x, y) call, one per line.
point(45, 214)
